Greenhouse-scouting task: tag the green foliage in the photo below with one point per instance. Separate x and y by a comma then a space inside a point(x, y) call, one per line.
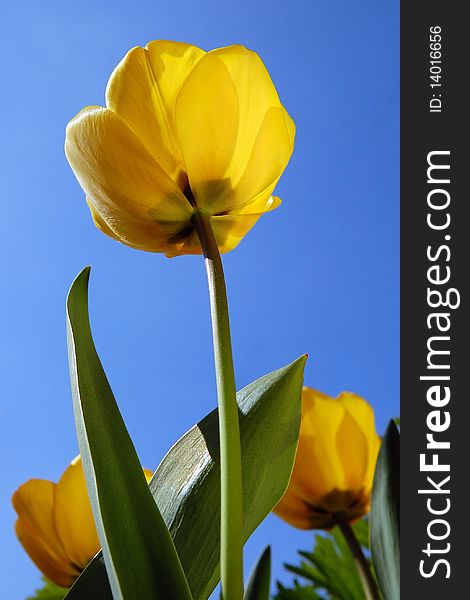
point(298, 592)
point(186, 485)
point(385, 515)
point(93, 583)
point(259, 583)
point(49, 591)
point(140, 557)
point(329, 569)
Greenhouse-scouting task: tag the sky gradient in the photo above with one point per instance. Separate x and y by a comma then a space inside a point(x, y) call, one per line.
point(319, 275)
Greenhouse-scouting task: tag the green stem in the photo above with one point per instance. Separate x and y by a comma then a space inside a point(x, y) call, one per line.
point(231, 525)
point(368, 581)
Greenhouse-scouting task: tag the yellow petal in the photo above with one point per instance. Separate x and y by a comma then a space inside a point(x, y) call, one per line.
point(122, 179)
point(332, 468)
point(271, 153)
point(374, 447)
point(244, 136)
point(134, 231)
point(269, 157)
point(143, 90)
point(363, 413)
point(230, 229)
point(256, 95)
point(262, 203)
point(353, 451)
point(207, 121)
point(73, 517)
point(53, 567)
point(310, 396)
point(318, 469)
point(148, 474)
point(290, 127)
point(99, 222)
point(33, 501)
point(293, 510)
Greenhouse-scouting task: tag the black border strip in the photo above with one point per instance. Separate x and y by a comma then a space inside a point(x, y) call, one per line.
point(424, 246)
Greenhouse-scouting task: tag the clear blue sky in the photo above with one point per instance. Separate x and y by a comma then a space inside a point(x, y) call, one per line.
point(318, 275)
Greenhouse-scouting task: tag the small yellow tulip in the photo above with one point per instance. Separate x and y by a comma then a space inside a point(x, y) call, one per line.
point(55, 524)
point(183, 131)
point(335, 463)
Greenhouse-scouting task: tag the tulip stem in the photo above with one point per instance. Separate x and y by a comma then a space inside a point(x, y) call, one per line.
point(368, 581)
point(231, 525)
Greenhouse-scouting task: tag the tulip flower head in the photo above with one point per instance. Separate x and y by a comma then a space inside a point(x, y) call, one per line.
point(183, 131)
point(335, 463)
point(55, 524)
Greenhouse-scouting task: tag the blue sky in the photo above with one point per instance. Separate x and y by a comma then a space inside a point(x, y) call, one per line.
point(318, 275)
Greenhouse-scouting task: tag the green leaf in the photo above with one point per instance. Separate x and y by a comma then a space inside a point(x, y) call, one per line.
point(361, 531)
point(93, 583)
point(259, 583)
point(186, 485)
point(140, 557)
point(385, 515)
point(49, 591)
point(329, 569)
point(298, 592)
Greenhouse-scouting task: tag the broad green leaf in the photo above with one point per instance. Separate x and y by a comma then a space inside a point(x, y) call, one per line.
point(258, 585)
point(385, 515)
point(329, 569)
point(49, 591)
point(186, 485)
point(93, 583)
point(140, 557)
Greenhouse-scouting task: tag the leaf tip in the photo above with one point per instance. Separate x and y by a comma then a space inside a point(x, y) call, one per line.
point(300, 362)
point(392, 429)
point(80, 282)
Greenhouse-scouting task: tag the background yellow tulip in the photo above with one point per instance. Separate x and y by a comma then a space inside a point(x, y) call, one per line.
point(55, 524)
point(183, 131)
point(334, 467)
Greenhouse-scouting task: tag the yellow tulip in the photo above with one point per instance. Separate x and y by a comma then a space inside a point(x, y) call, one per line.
point(55, 524)
point(335, 463)
point(183, 131)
